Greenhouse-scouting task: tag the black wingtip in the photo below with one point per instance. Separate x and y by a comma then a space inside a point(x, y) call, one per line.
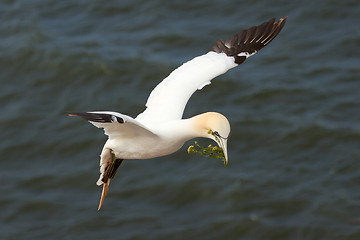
point(250, 41)
point(97, 117)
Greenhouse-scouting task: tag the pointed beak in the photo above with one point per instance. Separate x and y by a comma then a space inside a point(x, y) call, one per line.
point(223, 145)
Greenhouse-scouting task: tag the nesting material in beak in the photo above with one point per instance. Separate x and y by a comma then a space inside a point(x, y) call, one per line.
point(210, 151)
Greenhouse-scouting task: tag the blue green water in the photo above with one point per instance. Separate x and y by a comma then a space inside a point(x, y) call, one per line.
point(294, 108)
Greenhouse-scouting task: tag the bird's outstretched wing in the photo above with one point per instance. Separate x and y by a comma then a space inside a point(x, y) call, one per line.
point(115, 124)
point(168, 99)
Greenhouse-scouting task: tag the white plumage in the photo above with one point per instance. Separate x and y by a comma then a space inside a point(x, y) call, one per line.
point(168, 99)
point(160, 129)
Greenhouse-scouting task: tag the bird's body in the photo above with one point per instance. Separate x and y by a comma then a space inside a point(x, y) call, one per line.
point(159, 142)
point(164, 139)
point(160, 129)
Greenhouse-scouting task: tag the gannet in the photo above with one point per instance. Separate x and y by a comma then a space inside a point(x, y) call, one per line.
point(160, 129)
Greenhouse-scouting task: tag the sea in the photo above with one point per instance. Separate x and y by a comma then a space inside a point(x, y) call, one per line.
point(294, 109)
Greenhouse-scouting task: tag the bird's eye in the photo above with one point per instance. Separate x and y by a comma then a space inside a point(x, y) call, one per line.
point(217, 134)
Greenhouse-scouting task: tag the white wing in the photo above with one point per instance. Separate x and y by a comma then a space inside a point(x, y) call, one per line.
point(168, 99)
point(115, 124)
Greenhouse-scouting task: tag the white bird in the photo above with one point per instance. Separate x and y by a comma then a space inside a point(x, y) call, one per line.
point(160, 129)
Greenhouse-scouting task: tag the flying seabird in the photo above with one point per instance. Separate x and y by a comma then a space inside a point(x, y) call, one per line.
point(160, 129)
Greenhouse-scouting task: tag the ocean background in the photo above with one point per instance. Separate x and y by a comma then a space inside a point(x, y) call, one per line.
point(294, 108)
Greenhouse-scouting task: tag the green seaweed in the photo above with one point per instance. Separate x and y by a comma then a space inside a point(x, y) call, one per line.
point(209, 151)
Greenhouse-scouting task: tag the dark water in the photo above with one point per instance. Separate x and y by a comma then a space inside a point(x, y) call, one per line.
point(294, 169)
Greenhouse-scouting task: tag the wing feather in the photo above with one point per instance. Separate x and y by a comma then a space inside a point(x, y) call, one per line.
point(168, 99)
point(115, 124)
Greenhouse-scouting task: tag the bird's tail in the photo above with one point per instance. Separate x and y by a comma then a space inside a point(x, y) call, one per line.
point(108, 167)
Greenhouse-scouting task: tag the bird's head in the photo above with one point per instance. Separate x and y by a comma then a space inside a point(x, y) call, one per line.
point(216, 127)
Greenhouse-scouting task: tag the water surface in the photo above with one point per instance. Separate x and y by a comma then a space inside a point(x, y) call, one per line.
point(294, 109)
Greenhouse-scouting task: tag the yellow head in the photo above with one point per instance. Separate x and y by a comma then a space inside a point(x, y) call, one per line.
point(214, 126)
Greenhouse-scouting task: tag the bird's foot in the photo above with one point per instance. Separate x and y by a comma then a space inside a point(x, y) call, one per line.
point(109, 174)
